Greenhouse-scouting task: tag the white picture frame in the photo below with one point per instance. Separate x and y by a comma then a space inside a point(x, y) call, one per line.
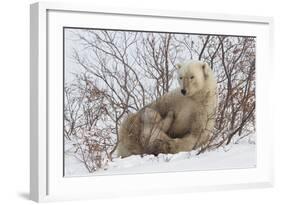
point(46, 179)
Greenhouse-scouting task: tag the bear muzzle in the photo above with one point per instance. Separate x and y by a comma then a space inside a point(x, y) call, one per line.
point(183, 91)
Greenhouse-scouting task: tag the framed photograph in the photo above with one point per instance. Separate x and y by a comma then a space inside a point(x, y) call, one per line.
point(127, 102)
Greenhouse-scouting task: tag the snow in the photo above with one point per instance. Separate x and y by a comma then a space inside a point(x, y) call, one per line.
point(233, 156)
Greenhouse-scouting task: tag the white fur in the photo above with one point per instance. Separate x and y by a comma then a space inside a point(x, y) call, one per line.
point(193, 111)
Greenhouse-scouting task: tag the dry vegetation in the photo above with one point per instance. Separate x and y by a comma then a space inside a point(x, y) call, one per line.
point(120, 72)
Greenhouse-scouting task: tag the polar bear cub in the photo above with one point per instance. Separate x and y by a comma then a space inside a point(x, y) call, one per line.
point(154, 130)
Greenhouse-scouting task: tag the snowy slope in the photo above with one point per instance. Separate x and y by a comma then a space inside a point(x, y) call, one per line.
point(234, 156)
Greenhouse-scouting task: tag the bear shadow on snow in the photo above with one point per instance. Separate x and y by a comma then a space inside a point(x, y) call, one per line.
point(180, 120)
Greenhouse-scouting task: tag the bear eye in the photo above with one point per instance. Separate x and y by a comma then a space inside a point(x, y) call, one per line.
point(180, 78)
point(191, 77)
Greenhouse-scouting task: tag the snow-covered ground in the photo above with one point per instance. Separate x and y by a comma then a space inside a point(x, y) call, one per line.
point(233, 156)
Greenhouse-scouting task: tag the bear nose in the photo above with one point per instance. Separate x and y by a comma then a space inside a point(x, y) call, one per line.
point(183, 91)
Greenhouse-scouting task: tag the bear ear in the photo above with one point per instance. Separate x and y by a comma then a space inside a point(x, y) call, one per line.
point(205, 68)
point(178, 65)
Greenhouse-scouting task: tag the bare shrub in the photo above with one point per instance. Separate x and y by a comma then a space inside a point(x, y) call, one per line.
point(120, 72)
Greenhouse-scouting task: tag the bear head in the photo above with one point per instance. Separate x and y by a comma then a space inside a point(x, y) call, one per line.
point(192, 77)
point(150, 116)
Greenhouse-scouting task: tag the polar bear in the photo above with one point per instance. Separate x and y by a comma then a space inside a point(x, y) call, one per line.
point(144, 133)
point(153, 136)
point(193, 106)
